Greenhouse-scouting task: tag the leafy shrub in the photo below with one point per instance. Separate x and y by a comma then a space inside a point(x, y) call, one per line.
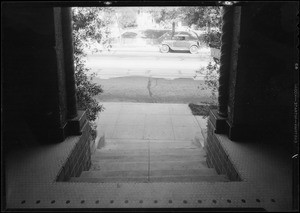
point(211, 79)
point(85, 89)
point(211, 37)
point(202, 110)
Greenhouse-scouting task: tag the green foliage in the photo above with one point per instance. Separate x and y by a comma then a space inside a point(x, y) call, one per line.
point(202, 110)
point(92, 25)
point(211, 37)
point(86, 27)
point(86, 90)
point(211, 79)
point(209, 17)
point(127, 17)
point(154, 34)
point(202, 16)
point(167, 14)
point(206, 16)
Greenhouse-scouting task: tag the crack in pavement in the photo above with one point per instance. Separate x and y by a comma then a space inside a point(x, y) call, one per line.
point(149, 90)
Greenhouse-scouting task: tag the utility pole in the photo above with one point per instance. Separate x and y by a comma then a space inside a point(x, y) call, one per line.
point(173, 28)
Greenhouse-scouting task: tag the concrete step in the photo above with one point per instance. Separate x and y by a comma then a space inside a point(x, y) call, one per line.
point(120, 156)
point(188, 151)
point(115, 145)
point(145, 158)
point(104, 152)
point(132, 144)
point(209, 178)
point(155, 165)
point(199, 178)
point(114, 174)
point(110, 180)
point(169, 151)
point(145, 173)
point(118, 166)
point(178, 157)
point(190, 172)
point(183, 155)
point(174, 145)
point(174, 151)
point(177, 165)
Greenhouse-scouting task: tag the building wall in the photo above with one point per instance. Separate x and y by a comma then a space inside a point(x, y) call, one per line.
point(217, 157)
point(261, 91)
point(79, 159)
point(34, 103)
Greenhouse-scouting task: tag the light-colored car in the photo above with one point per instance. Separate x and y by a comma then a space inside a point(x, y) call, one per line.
point(181, 41)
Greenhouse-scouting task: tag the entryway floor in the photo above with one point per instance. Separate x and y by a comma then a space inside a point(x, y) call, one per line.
point(265, 169)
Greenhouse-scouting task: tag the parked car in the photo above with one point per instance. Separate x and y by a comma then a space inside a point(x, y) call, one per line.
point(180, 41)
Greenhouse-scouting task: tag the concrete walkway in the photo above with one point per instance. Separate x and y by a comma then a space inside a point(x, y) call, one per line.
point(141, 142)
point(149, 121)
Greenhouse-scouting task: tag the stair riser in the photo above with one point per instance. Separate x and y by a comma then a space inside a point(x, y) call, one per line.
point(136, 166)
point(122, 166)
point(183, 151)
point(120, 159)
point(177, 165)
point(219, 178)
point(142, 173)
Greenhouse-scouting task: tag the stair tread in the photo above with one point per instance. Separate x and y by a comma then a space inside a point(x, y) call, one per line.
point(187, 178)
point(120, 158)
point(140, 156)
point(174, 157)
point(154, 173)
point(128, 145)
point(212, 178)
point(173, 165)
point(121, 166)
point(154, 150)
point(155, 165)
point(109, 180)
point(114, 174)
point(182, 172)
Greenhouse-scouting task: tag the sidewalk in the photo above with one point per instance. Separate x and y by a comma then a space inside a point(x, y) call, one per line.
point(145, 49)
point(135, 48)
point(147, 121)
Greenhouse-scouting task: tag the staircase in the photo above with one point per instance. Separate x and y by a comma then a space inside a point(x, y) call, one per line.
point(149, 161)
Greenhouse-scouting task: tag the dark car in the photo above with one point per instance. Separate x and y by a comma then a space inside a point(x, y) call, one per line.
point(180, 41)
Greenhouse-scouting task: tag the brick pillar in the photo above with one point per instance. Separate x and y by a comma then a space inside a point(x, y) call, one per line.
point(64, 46)
point(66, 21)
point(226, 40)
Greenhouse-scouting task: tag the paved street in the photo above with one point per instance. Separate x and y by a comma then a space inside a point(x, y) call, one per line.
point(148, 64)
point(153, 90)
point(146, 75)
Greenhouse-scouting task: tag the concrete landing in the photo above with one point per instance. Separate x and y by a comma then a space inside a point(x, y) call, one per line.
point(143, 121)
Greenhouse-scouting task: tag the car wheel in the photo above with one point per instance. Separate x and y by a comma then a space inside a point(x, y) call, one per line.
point(193, 49)
point(165, 48)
